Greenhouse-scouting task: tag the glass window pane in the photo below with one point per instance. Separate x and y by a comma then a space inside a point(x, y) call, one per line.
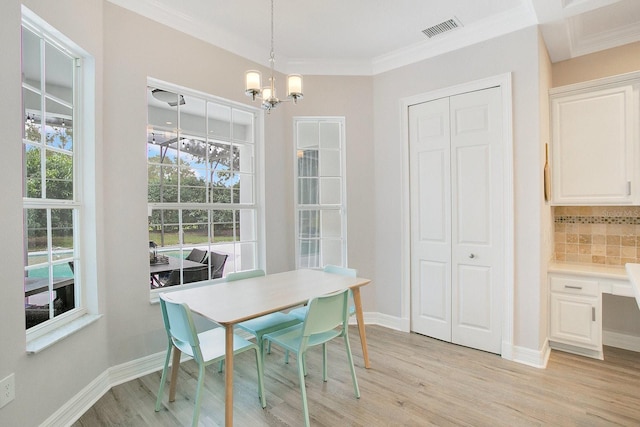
point(330, 163)
point(222, 226)
point(330, 135)
point(331, 252)
point(166, 188)
point(219, 121)
point(195, 226)
point(243, 188)
point(59, 125)
point(192, 116)
point(32, 168)
point(37, 245)
point(242, 126)
point(308, 135)
point(32, 115)
point(160, 114)
point(162, 147)
point(243, 158)
point(308, 191)
point(62, 234)
point(307, 162)
point(164, 230)
point(59, 176)
point(309, 253)
point(58, 74)
point(246, 225)
point(31, 68)
point(331, 223)
point(330, 191)
point(247, 254)
point(309, 224)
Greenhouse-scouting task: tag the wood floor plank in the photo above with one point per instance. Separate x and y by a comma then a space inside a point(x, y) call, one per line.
point(414, 381)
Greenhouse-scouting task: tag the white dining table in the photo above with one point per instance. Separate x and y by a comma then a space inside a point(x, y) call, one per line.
point(229, 303)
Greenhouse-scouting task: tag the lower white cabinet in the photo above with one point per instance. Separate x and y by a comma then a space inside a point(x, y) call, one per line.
point(576, 315)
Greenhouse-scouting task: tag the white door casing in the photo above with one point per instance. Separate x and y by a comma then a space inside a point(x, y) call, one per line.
point(455, 162)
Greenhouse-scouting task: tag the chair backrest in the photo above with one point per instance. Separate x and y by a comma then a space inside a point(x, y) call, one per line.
point(216, 262)
point(239, 275)
point(351, 272)
point(180, 328)
point(197, 255)
point(193, 274)
point(326, 312)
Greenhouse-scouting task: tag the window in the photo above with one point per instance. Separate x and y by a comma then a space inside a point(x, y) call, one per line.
point(320, 192)
point(51, 198)
point(204, 206)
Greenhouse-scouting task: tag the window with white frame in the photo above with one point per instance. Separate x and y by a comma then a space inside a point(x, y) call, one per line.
point(52, 204)
point(205, 212)
point(320, 192)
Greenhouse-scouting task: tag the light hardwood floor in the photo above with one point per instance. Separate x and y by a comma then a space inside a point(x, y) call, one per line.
point(414, 381)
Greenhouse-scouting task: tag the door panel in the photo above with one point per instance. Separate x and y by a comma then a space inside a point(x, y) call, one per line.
point(455, 149)
point(431, 219)
point(476, 141)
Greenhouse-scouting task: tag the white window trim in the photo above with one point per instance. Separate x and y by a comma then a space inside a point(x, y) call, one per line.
point(343, 189)
point(44, 335)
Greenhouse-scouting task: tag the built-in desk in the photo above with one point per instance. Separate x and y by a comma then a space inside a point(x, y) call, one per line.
point(575, 304)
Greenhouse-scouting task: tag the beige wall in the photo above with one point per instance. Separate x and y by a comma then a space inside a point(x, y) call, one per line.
point(619, 60)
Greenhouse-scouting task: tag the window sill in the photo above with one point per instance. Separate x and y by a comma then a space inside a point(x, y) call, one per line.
point(47, 340)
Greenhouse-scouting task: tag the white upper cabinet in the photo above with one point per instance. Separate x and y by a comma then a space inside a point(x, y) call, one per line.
point(594, 147)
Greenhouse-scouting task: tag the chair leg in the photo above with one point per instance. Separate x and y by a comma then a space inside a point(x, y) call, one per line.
point(163, 378)
point(220, 365)
point(324, 362)
point(196, 409)
point(303, 389)
point(356, 389)
point(260, 366)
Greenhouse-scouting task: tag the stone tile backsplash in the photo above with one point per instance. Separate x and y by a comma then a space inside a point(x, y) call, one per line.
point(597, 234)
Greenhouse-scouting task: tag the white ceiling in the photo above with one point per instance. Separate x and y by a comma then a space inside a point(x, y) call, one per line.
point(365, 37)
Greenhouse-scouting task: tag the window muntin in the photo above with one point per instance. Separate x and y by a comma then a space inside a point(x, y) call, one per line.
point(51, 204)
point(320, 192)
point(202, 178)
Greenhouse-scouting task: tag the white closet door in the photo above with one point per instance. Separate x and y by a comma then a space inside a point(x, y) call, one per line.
point(476, 206)
point(456, 239)
point(430, 219)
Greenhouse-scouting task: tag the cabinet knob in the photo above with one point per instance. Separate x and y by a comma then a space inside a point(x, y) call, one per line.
point(472, 256)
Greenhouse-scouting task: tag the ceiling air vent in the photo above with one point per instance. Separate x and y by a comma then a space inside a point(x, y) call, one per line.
point(443, 27)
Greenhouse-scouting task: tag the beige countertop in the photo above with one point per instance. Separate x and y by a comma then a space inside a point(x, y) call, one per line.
point(603, 271)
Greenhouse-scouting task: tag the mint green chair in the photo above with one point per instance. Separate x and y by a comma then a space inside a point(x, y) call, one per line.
point(327, 318)
point(301, 312)
point(264, 324)
point(205, 348)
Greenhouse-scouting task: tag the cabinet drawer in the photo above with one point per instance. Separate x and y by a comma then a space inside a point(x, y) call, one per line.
point(574, 286)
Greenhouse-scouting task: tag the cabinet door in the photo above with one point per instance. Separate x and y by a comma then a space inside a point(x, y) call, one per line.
point(575, 319)
point(592, 151)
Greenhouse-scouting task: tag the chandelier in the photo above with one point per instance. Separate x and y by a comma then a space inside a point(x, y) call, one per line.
point(253, 83)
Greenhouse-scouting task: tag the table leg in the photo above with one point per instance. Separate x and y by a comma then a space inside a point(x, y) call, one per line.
point(360, 318)
point(175, 365)
point(228, 377)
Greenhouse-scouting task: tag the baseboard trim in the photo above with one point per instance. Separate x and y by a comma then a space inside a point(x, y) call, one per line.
point(527, 356)
point(618, 340)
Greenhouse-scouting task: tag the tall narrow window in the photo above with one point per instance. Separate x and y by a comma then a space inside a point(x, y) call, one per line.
point(320, 192)
point(204, 207)
point(52, 208)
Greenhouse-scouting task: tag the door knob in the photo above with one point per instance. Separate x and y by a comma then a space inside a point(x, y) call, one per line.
point(472, 256)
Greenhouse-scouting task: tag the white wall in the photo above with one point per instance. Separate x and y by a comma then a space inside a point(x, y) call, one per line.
point(516, 53)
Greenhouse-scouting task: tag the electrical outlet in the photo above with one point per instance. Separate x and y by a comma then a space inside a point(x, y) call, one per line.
point(7, 390)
